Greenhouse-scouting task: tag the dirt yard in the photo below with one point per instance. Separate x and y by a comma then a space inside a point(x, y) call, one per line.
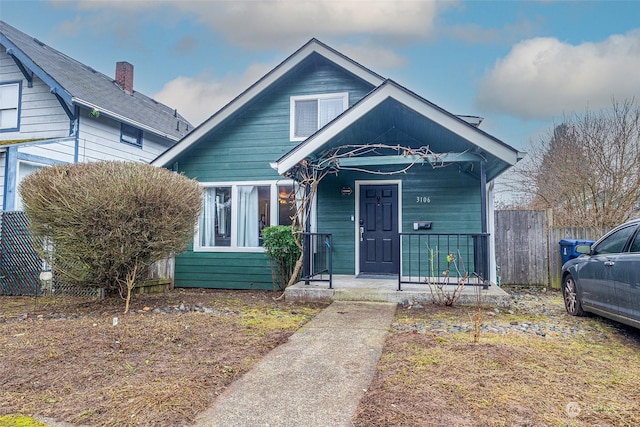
point(534, 365)
point(160, 365)
point(85, 363)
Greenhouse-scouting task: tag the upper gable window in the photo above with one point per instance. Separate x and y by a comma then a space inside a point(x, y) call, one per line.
point(9, 103)
point(130, 135)
point(310, 113)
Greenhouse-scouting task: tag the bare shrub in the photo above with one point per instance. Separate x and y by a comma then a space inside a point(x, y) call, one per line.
point(443, 291)
point(107, 222)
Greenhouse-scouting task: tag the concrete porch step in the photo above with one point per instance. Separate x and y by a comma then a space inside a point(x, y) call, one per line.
point(350, 288)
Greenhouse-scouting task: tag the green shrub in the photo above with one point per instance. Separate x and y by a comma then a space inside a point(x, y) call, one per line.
point(283, 253)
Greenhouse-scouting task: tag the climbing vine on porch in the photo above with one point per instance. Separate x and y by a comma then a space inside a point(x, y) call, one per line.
point(311, 171)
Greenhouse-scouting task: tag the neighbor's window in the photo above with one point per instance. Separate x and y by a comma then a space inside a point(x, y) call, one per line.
point(310, 113)
point(233, 216)
point(24, 169)
point(9, 102)
point(130, 135)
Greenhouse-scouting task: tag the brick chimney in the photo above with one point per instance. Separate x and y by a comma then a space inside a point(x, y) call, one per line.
point(124, 76)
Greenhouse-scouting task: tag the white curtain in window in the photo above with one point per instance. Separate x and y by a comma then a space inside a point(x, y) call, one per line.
point(206, 226)
point(306, 117)
point(248, 220)
point(329, 109)
point(221, 207)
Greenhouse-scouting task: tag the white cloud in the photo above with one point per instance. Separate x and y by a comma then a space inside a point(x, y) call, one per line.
point(367, 29)
point(285, 23)
point(543, 77)
point(198, 98)
point(282, 23)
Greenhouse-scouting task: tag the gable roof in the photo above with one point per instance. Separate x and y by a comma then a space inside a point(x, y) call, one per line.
point(418, 121)
point(311, 47)
point(78, 84)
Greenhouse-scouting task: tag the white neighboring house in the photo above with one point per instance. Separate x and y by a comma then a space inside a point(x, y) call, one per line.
point(53, 109)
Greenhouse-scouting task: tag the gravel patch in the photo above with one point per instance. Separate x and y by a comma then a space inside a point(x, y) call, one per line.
point(534, 312)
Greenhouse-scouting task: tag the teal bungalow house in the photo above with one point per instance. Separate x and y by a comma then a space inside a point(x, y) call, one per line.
point(410, 187)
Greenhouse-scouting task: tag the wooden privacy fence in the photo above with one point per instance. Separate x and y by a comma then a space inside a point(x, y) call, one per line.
point(528, 248)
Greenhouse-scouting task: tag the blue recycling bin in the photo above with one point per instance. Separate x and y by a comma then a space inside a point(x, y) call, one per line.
point(568, 248)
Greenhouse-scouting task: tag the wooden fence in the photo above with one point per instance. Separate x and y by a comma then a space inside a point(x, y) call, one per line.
point(528, 248)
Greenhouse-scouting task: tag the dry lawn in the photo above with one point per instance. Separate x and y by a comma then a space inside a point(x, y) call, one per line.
point(150, 369)
point(516, 379)
point(163, 369)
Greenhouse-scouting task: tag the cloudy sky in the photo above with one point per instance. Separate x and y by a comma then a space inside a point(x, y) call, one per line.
point(521, 65)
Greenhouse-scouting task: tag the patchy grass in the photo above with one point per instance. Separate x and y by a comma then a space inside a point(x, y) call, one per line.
point(67, 361)
point(20, 421)
point(428, 376)
point(163, 369)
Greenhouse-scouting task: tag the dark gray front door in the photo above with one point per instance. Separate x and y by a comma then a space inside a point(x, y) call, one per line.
point(378, 229)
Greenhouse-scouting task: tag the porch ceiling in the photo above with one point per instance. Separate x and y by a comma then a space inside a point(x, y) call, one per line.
point(393, 123)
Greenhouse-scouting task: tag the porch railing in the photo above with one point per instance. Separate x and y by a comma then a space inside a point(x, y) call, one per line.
point(318, 259)
point(443, 258)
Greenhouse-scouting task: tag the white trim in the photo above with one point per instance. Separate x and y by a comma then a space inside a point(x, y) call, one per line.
point(17, 203)
point(11, 103)
point(491, 229)
point(273, 184)
point(292, 110)
point(358, 183)
point(410, 100)
point(263, 84)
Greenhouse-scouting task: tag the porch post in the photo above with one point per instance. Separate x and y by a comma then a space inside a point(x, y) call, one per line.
point(483, 195)
point(484, 219)
point(306, 239)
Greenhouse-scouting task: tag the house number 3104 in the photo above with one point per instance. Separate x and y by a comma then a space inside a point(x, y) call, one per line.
point(423, 199)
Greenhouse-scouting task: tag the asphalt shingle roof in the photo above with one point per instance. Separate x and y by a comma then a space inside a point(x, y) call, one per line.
point(88, 86)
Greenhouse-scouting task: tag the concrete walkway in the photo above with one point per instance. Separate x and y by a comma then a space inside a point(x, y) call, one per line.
point(317, 378)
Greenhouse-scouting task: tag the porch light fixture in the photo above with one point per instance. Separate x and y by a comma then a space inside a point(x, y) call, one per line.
point(346, 190)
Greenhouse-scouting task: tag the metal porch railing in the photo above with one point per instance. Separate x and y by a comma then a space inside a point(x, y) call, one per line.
point(318, 258)
point(443, 258)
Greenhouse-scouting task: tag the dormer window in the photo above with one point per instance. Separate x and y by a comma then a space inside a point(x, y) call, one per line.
point(311, 112)
point(130, 135)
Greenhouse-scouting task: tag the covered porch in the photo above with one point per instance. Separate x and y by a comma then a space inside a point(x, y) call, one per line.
point(401, 188)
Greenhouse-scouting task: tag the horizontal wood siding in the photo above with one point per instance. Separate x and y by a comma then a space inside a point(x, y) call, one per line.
point(454, 207)
point(99, 139)
point(223, 270)
point(41, 115)
point(452, 200)
point(334, 212)
point(241, 150)
point(58, 151)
